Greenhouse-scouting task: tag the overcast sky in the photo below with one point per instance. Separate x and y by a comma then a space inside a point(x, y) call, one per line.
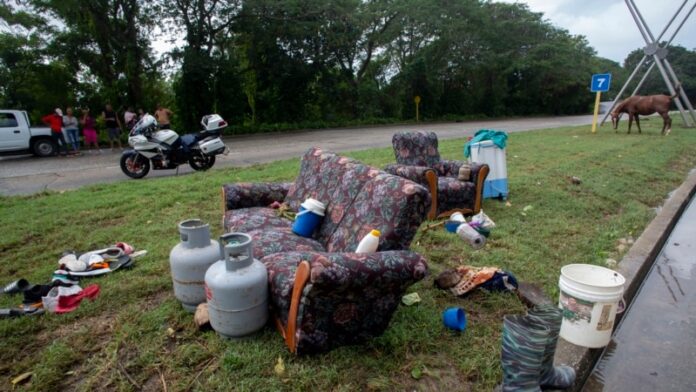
point(608, 25)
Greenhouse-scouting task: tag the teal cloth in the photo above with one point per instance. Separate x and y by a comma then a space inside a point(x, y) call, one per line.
point(499, 138)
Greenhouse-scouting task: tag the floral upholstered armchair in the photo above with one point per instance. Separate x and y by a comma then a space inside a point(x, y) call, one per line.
point(322, 293)
point(418, 159)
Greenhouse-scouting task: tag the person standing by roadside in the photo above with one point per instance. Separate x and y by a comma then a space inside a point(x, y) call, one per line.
point(113, 126)
point(89, 130)
point(162, 115)
point(71, 129)
point(55, 121)
point(129, 118)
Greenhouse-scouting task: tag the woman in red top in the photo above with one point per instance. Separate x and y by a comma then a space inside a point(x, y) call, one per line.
point(55, 121)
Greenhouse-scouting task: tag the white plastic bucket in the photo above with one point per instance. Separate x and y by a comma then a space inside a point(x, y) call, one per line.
point(589, 299)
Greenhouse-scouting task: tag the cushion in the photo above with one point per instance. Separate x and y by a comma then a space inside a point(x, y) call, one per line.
point(247, 219)
point(393, 205)
point(452, 193)
point(275, 240)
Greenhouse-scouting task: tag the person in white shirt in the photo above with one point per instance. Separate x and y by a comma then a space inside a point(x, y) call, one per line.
point(71, 129)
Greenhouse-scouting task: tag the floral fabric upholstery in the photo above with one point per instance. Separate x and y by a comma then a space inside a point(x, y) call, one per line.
point(349, 297)
point(394, 206)
point(420, 149)
point(270, 241)
point(413, 173)
point(245, 194)
point(416, 148)
point(333, 180)
point(452, 192)
point(246, 219)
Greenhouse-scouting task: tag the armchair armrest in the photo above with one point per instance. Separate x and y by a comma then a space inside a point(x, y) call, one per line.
point(246, 194)
point(422, 175)
point(479, 172)
point(322, 300)
point(416, 174)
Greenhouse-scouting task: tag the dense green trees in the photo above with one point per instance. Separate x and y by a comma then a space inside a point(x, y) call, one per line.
point(301, 62)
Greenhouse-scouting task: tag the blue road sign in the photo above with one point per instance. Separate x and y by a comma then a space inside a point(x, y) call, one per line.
point(600, 83)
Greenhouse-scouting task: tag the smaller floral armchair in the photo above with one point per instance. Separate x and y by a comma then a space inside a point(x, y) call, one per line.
point(418, 160)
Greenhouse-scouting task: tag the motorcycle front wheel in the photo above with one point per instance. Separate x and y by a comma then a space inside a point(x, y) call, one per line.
point(135, 165)
point(201, 162)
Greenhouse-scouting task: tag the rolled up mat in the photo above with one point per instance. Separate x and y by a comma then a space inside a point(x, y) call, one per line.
point(473, 237)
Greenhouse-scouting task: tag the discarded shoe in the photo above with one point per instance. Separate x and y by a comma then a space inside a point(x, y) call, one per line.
point(552, 377)
point(17, 286)
point(127, 249)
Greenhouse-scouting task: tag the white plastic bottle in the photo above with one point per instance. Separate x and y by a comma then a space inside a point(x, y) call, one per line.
point(369, 243)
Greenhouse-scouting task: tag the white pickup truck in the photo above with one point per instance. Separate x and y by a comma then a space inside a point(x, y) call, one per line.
point(18, 137)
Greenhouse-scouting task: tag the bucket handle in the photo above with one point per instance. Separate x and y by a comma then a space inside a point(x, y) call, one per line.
point(621, 306)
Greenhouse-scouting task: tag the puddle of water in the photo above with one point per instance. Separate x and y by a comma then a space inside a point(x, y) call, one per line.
point(654, 347)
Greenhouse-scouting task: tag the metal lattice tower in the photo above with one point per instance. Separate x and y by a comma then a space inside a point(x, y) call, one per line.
point(659, 55)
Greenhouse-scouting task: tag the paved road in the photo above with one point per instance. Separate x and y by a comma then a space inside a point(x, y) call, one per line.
point(27, 175)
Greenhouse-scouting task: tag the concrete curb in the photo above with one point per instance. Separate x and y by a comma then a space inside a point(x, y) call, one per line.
point(634, 266)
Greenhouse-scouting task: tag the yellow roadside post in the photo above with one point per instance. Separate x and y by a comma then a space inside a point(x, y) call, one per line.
point(596, 113)
point(417, 100)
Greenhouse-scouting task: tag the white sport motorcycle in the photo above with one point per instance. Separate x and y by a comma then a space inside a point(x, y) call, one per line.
point(166, 150)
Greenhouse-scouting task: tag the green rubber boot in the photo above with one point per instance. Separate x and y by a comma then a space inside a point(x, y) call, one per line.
point(555, 377)
point(524, 342)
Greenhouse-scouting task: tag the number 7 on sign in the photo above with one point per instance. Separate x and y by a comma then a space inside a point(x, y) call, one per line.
point(600, 82)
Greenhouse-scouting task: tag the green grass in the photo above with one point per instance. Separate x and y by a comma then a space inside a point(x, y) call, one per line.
point(624, 178)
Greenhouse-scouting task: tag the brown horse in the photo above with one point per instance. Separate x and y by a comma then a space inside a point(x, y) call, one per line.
point(645, 105)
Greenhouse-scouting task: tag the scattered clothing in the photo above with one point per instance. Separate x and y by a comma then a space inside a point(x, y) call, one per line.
point(463, 279)
point(68, 303)
point(499, 138)
point(410, 299)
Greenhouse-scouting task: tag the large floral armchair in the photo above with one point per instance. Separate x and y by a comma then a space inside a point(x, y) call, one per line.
point(418, 159)
point(323, 294)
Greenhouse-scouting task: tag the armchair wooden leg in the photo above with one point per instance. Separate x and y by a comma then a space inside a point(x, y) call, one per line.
point(301, 278)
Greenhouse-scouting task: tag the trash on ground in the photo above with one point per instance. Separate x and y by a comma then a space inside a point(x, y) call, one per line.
point(454, 318)
point(473, 237)
point(410, 299)
point(575, 180)
point(279, 367)
point(21, 378)
point(201, 317)
point(63, 293)
point(482, 220)
point(464, 279)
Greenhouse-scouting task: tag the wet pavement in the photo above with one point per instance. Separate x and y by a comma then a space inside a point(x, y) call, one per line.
point(654, 346)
